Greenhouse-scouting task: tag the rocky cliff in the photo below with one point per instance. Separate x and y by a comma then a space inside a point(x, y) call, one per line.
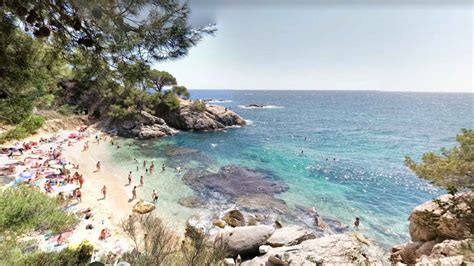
point(206, 117)
point(441, 233)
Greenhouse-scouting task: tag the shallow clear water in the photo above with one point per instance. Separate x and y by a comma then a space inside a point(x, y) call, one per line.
point(364, 136)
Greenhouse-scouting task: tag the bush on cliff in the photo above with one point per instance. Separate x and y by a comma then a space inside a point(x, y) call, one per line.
point(198, 106)
point(26, 208)
point(157, 244)
point(453, 169)
point(26, 128)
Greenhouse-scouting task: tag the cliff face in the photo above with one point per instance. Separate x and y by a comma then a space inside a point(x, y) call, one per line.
point(211, 118)
point(440, 233)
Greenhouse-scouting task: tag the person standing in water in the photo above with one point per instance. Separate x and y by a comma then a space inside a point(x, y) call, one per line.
point(130, 178)
point(357, 222)
point(144, 164)
point(154, 195)
point(141, 181)
point(163, 167)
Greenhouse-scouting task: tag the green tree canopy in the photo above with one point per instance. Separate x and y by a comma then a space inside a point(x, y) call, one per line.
point(181, 91)
point(453, 168)
point(116, 30)
point(159, 79)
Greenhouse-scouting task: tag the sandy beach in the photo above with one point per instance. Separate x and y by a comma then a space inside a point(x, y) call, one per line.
point(106, 213)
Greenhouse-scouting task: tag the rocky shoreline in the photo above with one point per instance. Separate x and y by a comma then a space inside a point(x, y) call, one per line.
point(143, 125)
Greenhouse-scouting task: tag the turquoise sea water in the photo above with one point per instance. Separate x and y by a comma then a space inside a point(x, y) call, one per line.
point(363, 135)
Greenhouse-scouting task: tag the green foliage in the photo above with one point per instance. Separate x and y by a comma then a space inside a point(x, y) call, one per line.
point(171, 101)
point(158, 79)
point(16, 252)
point(113, 30)
point(68, 256)
point(157, 244)
point(181, 91)
point(26, 128)
point(198, 106)
point(26, 208)
point(69, 110)
point(453, 168)
point(29, 70)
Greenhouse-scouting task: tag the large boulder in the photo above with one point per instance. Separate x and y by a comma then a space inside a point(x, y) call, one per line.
point(244, 241)
point(186, 117)
point(338, 249)
point(143, 126)
point(143, 207)
point(422, 227)
point(289, 236)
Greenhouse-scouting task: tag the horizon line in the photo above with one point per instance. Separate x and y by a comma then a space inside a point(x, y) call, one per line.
point(339, 90)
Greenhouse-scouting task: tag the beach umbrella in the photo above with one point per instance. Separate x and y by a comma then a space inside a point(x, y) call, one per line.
point(7, 161)
point(56, 166)
point(66, 188)
point(26, 175)
point(96, 263)
point(123, 263)
point(68, 166)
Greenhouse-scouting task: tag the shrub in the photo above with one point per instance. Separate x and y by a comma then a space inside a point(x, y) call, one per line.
point(78, 256)
point(26, 208)
point(171, 101)
point(156, 244)
point(68, 110)
point(24, 129)
point(198, 106)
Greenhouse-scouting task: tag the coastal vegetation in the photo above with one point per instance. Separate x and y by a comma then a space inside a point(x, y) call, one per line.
point(447, 222)
point(25, 210)
point(453, 169)
point(92, 58)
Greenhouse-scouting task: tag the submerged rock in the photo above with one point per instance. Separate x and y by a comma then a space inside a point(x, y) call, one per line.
point(244, 241)
point(234, 181)
point(191, 202)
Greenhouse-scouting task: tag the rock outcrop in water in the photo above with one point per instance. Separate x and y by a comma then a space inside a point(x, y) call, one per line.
point(186, 117)
point(443, 240)
point(143, 126)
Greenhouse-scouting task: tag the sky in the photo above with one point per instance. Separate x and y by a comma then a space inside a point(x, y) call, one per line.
point(318, 45)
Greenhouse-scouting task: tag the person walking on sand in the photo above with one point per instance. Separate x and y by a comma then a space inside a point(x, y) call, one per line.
point(130, 178)
point(78, 195)
point(357, 222)
point(141, 181)
point(134, 192)
point(154, 195)
point(98, 166)
point(104, 191)
point(81, 180)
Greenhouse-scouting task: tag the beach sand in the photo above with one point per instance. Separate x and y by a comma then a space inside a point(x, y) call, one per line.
point(109, 212)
